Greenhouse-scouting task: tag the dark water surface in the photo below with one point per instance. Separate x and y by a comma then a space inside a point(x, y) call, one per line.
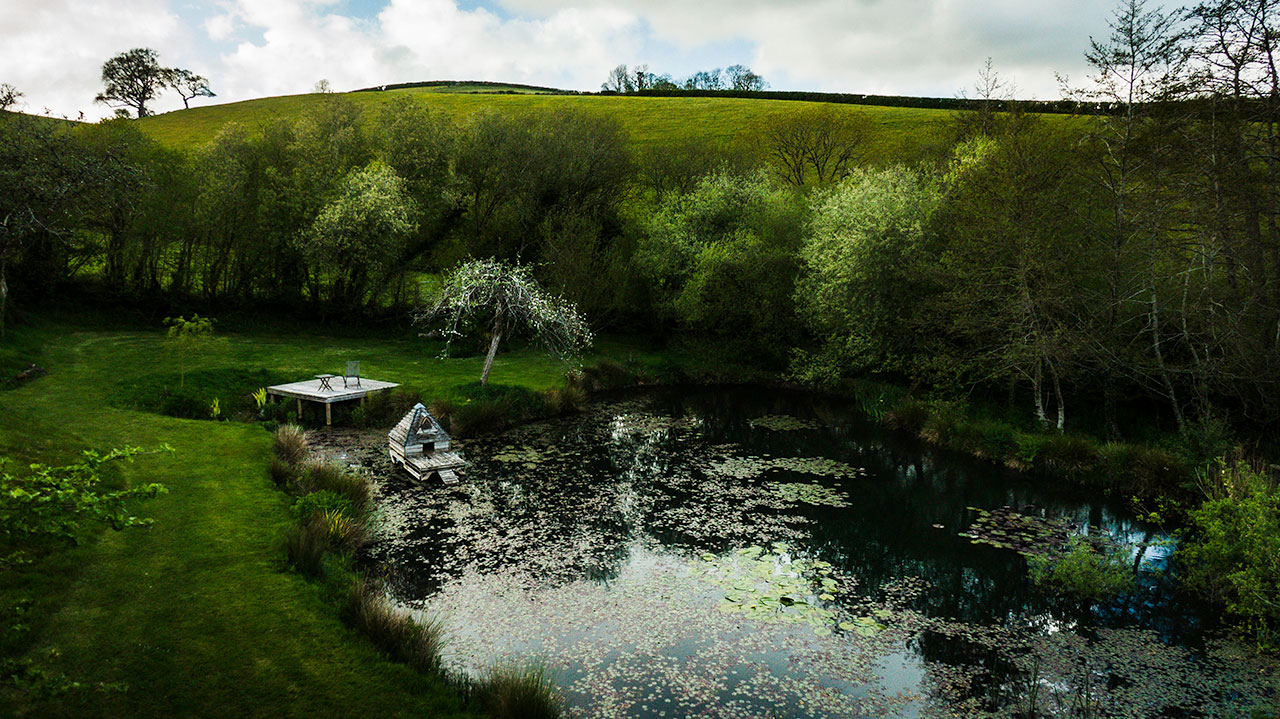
point(756, 553)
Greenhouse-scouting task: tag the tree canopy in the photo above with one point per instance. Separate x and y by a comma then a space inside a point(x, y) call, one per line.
point(509, 298)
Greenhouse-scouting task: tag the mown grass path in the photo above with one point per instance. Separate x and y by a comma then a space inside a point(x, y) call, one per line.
point(196, 614)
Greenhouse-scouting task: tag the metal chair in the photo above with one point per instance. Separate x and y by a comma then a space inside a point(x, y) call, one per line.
point(352, 373)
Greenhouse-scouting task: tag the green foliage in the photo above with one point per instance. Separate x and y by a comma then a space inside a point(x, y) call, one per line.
point(318, 476)
point(485, 409)
point(281, 472)
point(362, 234)
point(865, 273)
point(1233, 554)
point(721, 261)
point(188, 337)
point(306, 545)
point(1083, 571)
point(322, 501)
point(54, 505)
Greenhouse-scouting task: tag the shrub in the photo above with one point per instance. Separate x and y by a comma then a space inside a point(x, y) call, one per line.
point(183, 403)
point(1233, 557)
point(985, 439)
point(606, 374)
point(385, 408)
point(416, 643)
point(322, 501)
point(569, 399)
point(306, 545)
point(476, 418)
point(325, 476)
point(1083, 572)
point(1065, 453)
point(282, 473)
point(907, 416)
point(941, 422)
point(291, 444)
point(510, 691)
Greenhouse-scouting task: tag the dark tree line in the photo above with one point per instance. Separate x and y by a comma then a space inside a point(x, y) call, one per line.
point(1114, 260)
point(736, 78)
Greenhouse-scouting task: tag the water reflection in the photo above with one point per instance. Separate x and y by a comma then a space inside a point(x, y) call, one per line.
point(582, 540)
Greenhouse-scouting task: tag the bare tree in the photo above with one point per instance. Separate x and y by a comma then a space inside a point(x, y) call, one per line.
point(9, 96)
point(619, 80)
point(821, 144)
point(742, 78)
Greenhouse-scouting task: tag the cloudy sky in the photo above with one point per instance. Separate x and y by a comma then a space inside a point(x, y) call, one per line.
point(53, 50)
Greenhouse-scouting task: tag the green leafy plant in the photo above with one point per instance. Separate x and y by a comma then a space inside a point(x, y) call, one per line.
point(259, 396)
point(215, 408)
point(323, 501)
point(1083, 571)
point(1233, 556)
point(187, 337)
point(50, 505)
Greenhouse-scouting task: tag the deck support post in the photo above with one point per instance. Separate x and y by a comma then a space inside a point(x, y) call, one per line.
point(299, 411)
point(328, 414)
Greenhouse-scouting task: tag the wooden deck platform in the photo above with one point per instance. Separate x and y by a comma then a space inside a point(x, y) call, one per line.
point(422, 466)
point(310, 390)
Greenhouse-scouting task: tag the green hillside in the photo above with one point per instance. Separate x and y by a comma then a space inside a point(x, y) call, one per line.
point(648, 120)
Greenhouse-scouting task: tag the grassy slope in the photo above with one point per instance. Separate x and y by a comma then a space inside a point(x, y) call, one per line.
point(649, 120)
point(196, 614)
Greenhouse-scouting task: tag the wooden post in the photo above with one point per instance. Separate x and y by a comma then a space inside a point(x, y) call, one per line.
point(328, 414)
point(299, 410)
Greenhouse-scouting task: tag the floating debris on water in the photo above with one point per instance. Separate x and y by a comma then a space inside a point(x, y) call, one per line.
point(782, 423)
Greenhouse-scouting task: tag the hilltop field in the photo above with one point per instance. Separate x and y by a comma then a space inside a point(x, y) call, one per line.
point(899, 132)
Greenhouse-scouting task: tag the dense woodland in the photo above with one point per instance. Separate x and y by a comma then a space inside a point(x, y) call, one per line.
point(1128, 257)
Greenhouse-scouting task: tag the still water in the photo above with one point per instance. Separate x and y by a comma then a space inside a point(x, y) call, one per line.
point(756, 553)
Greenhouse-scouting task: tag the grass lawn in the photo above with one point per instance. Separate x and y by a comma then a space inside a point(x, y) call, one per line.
point(900, 132)
point(196, 615)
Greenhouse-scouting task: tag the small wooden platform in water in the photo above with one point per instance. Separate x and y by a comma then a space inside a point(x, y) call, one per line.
point(420, 445)
point(312, 390)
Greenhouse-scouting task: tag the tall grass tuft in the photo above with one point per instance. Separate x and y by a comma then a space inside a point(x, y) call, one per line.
point(282, 473)
point(511, 691)
point(346, 533)
point(318, 476)
point(416, 643)
point(569, 399)
point(291, 444)
point(306, 545)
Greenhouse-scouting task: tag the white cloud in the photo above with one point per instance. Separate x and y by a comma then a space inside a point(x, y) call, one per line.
point(414, 40)
point(53, 50)
point(923, 47)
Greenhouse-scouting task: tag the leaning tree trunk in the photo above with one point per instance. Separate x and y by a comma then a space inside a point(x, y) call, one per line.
point(493, 349)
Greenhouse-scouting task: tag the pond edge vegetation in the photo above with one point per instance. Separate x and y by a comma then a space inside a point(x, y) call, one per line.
point(332, 509)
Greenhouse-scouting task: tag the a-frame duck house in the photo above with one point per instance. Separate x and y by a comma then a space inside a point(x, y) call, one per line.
point(420, 445)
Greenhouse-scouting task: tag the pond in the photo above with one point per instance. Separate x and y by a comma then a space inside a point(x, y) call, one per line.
point(737, 552)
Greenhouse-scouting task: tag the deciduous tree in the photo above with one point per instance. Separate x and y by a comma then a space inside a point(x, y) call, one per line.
point(133, 79)
point(506, 297)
